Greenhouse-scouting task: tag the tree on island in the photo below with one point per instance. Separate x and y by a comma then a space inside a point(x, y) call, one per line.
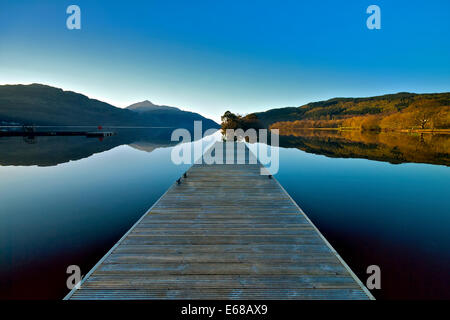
point(237, 121)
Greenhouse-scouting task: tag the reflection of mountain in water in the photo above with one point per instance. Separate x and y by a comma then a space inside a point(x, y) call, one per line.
point(390, 147)
point(393, 147)
point(146, 146)
point(50, 151)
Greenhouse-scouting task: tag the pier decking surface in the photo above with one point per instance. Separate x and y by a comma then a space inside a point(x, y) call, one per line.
point(224, 232)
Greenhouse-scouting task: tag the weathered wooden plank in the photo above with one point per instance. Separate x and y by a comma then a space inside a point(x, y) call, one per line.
point(220, 240)
point(225, 232)
point(223, 249)
point(221, 258)
point(221, 281)
point(220, 293)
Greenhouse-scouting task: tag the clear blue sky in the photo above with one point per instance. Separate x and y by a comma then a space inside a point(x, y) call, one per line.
point(210, 56)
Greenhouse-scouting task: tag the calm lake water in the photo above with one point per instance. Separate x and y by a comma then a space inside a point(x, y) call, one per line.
point(67, 200)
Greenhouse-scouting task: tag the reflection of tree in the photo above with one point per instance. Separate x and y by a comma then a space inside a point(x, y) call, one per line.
point(422, 140)
point(394, 147)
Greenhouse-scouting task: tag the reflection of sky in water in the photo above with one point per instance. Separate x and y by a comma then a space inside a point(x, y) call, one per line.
point(72, 213)
point(77, 207)
point(396, 216)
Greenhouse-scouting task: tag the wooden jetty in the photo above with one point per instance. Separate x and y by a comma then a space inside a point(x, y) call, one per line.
point(224, 231)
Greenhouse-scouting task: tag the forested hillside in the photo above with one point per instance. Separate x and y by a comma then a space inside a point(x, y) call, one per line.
point(393, 111)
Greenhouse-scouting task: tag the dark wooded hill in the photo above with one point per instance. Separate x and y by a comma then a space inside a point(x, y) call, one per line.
point(39, 104)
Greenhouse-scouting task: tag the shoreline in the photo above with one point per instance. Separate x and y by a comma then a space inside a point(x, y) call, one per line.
point(445, 131)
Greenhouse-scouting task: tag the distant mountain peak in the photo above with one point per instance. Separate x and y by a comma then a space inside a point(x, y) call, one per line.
point(146, 105)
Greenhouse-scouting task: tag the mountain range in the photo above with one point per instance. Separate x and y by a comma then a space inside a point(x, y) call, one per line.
point(402, 110)
point(38, 104)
